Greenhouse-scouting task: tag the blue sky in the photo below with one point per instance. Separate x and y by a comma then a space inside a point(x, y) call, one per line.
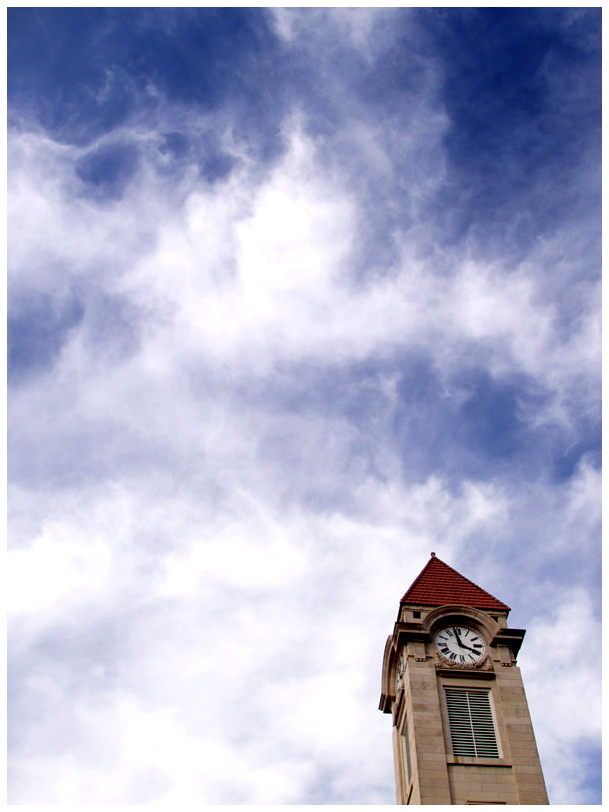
point(295, 297)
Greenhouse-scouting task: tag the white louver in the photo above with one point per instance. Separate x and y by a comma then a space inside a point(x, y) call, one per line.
point(472, 730)
point(406, 745)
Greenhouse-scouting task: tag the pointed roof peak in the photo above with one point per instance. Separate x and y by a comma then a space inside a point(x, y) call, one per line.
point(439, 585)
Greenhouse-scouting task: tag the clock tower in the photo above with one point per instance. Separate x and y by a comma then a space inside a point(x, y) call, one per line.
point(462, 733)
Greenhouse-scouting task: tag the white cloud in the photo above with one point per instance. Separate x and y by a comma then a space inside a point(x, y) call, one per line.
point(57, 566)
point(146, 755)
point(297, 26)
point(166, 500)
point(229, 655)
point(258, 271)
point(565, 699)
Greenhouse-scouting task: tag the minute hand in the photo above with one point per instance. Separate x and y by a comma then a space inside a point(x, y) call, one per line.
point(469, 648)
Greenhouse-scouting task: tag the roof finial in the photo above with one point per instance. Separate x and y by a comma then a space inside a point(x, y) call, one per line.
point(433, 555)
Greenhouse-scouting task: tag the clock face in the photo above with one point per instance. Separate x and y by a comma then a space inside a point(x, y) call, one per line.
point(460, 645)
point(400, 674)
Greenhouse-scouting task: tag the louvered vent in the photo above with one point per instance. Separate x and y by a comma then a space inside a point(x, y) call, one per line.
point(472, 730)
point(406, 745)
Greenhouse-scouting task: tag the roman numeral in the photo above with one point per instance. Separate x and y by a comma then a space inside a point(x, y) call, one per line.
point(449, 633)
point(444, 650)
point(453, 657)
point(462, 658)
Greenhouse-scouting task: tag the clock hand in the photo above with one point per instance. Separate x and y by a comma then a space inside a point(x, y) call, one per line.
point(462, 645)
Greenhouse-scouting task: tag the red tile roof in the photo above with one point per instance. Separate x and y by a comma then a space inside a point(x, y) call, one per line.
point(439, 585)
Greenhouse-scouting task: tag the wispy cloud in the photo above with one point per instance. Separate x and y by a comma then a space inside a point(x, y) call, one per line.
point(295, 297)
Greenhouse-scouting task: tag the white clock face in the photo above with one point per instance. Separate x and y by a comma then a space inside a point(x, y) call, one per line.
point(400, 673)
point(460, 645)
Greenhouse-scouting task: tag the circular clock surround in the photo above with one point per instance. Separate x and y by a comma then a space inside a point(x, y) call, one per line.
point(460, 645)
